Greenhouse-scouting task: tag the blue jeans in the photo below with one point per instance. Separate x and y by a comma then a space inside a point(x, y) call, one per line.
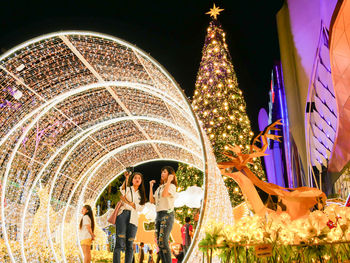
point(126, 233)
point(164, 224)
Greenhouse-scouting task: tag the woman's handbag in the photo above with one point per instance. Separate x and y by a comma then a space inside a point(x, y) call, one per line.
point(117, 211)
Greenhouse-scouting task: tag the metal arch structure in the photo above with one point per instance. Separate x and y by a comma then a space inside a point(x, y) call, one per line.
point(76, 108)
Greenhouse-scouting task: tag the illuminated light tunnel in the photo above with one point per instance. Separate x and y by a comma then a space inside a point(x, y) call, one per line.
point(77, 108)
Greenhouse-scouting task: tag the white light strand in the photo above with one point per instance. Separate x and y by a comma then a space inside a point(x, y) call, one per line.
point(55, 82)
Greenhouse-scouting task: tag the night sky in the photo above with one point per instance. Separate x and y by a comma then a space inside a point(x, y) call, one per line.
point(172, 32)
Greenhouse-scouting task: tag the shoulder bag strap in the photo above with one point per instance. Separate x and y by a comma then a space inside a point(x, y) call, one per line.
point(132, 195)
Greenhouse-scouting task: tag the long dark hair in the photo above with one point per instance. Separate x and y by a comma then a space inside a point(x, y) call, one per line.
point(141, 187)
point(90, 214)
point(170, 171)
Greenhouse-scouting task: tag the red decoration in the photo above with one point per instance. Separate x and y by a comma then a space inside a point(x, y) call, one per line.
point(331, 224)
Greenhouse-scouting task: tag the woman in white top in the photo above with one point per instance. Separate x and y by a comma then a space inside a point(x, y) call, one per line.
point(164, 199)
point(133, 198)
point(86, 232)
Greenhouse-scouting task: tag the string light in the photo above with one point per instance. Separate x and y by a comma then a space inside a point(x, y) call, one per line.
point(82, 106)
point(222, 82)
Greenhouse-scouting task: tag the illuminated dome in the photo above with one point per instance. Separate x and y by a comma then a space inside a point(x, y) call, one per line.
point(77, 108)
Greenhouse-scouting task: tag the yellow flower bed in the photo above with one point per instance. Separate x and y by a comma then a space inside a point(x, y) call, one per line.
point(101, 256)
point(320, 235)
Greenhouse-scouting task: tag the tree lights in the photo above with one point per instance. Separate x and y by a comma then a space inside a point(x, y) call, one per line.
point(218, 101)
point(76, 109)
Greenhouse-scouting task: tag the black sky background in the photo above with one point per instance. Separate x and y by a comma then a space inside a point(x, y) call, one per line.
point(172, 32)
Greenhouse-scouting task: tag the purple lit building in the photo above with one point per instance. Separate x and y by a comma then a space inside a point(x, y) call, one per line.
point(315, 57)
point(278, 160)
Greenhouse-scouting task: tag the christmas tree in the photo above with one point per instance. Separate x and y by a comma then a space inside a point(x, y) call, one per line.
point(219, 103)
point(187, 176)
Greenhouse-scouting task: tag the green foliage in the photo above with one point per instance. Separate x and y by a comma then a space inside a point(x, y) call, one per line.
point(208, 243)
point(211, 239)
point(187, 176)
point(111, 193)
point(111, 228)
point(149, 226)
point(220, 105)
point(182, 212)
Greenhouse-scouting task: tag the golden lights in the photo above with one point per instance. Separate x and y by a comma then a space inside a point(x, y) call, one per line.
point(155, 101)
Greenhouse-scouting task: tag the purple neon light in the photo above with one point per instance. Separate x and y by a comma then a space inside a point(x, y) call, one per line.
point(285, 127)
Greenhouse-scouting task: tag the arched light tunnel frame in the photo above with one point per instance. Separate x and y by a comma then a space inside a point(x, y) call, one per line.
point(89, 131)
point(44, 108)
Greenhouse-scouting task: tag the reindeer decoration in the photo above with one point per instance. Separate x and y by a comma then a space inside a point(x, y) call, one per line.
point(296, 201)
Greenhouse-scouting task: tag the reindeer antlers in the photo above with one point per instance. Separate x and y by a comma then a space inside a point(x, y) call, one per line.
point(255, 151)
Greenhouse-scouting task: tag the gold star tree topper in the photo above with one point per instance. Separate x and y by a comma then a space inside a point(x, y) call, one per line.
point(215, 11)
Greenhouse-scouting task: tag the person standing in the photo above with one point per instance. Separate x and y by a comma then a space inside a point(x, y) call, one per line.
point(187, 234)
point(142, 253)
point(150, 256)
point(164, 198)
point(86, 232)
point(133, 198)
